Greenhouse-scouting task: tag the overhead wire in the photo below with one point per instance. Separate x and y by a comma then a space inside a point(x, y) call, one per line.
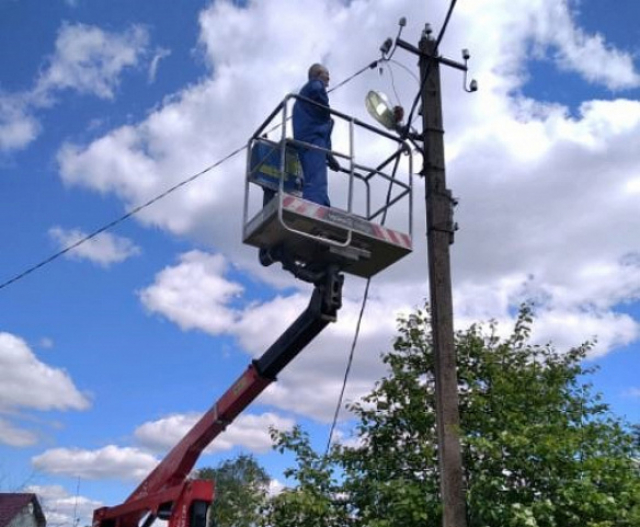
point(389, 61)
point(393, 85)
point(441, 34)
point(345, 379)
point(365, 297)
point(122, 218)
point(386, 58)
point(366, 292)
point(443, 29)
point(153, 200)
point(369, 66)
point(400, 64)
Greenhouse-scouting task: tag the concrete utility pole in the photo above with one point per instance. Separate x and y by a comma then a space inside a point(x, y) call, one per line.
point(440, 232)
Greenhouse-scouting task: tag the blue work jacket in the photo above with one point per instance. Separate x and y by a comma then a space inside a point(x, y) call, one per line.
point(310, 122)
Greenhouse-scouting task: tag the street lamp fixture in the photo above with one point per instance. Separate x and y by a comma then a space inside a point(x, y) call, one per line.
point(379, 108)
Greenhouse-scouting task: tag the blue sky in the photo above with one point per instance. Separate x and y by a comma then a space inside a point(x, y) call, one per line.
point(109, 353)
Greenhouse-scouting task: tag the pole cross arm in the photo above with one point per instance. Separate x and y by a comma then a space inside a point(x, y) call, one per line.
point(442, 60)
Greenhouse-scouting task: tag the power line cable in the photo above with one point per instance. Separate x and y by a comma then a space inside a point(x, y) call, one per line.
point(348, 369)
point(366, 293)
point(369, 66)
point(115, 222)
point(389, 62)
point(443, 29)
point(441, 34)
point(139, 208)
point(360, 316)
point(393, 85)
point(398, 63)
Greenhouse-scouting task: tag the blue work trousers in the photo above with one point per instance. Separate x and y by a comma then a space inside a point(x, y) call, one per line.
point(314, 169)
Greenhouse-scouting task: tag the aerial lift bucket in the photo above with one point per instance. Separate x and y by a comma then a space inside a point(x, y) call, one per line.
point(357, 241)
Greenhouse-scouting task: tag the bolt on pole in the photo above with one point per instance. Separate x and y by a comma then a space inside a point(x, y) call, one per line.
point(440, 231)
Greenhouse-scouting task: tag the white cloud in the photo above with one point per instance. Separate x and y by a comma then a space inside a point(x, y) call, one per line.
point(260, 324)
point(110, 462)
point(197, 297)
point(164, 434)
point(350, 441)
point(248, 431)
point(18, 127)
point(548, 206)
point(14, 436)
point(49, 388)
point(194, 294)
point(87, 60)
point(566, 329)
point(311, 384)
point(547, 201)
point(160, 53)
point(199, 125)
point(51, 492)
point(90, 60)
point(62, 508)
point(103, 249)
point(27, 384)
point(588, 55)
point(540, 29)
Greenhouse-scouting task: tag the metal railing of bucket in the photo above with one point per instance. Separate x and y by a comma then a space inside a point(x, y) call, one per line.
point(279, 160)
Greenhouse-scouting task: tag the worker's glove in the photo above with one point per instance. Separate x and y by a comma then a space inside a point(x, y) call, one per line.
point(332, 163)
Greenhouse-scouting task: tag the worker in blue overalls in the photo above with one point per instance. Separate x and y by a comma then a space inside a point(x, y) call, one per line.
point(312, 124)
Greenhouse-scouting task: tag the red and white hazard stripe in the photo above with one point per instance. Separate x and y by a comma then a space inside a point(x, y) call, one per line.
point(310, 209)
point(391, 236)
point(305, 207)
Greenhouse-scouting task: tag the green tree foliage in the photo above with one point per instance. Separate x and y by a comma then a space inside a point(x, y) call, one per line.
point(316, 500)
point(540, 448)
point(241, 487)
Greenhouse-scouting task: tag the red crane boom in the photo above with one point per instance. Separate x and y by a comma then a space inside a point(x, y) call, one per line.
point(167, 493)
